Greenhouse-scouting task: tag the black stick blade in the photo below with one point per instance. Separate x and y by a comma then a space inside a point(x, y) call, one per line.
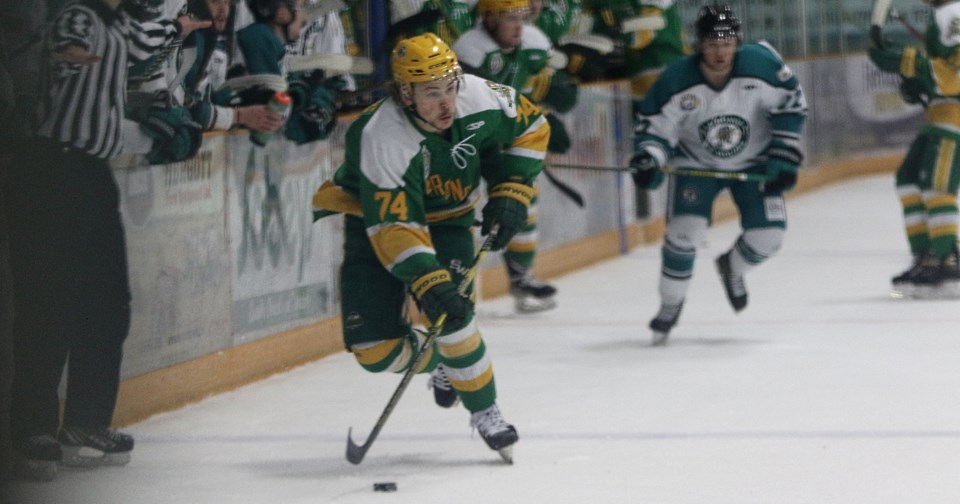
point(355, 452)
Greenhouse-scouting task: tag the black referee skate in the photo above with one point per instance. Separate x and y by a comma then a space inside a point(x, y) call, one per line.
point(664, 321)
point(732, 283)
point(36, 458)
point(530, 295)
point(443, 392)
point(93, 447)
point(495, 431)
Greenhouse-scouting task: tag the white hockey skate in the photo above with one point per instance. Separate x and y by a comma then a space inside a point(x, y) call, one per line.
point(495, 431)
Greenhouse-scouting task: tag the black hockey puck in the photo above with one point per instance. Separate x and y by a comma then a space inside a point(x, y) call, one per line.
point(387, 486)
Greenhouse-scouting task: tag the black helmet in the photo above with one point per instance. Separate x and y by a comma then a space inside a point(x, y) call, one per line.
point(265, 10)
point(718, 21)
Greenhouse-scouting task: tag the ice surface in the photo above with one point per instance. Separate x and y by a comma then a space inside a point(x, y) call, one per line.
point(824, 390)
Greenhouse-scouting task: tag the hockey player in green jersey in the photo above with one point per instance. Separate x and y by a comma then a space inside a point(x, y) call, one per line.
point(554, 17)
point(928, 179)
point(729, 114)
point(648, 34)
point(446, 18)
point(504, 49)
point(408, 185)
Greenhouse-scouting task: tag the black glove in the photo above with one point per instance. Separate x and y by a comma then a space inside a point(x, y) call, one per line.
point(506, 208)
point(315, 113)
point(436, 294)
point(781, 176)
point(914, 92)
point(585, 64)
point(175, 135)
point(646, 174)
point(887, 59)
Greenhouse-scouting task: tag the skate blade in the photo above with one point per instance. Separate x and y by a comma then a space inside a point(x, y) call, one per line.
point(506, 453)
point(902, 292)
point(86, 457)
point(943, 292)
point(659, 338)
point(534, 305)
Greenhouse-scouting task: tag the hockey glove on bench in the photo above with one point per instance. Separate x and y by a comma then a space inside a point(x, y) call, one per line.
point(436, 294)
point(506, 207)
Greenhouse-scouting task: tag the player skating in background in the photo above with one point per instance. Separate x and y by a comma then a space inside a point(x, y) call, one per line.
point(729, 110)
point(504, 49)
point(927, 180)
point(408, 186)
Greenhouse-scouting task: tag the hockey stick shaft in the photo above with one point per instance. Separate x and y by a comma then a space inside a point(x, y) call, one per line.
point(878, 17)
point(914, 32)
point(355, 452)
point(741, 176)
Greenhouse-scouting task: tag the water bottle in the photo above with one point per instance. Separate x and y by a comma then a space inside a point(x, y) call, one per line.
point(280, 103)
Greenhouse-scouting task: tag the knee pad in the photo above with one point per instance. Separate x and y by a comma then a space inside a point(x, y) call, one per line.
point(394, 355)
point(757, 245)
point(687, 231)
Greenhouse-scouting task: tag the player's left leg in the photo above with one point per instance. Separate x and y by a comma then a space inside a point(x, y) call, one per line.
point(530, 294)
point(463, 353)
point(942, 278)
point(689, 207)
point(763, 218)
point(920, 156)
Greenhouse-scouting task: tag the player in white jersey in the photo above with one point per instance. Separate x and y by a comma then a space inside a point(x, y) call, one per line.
point(727, 117)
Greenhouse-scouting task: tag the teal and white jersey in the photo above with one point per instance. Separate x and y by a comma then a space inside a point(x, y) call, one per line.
point(402, 178)
point(479, 53)
point(686, 122)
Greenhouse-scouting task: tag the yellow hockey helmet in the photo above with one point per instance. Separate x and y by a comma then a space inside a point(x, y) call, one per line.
point(423, 58)
point(497, 7)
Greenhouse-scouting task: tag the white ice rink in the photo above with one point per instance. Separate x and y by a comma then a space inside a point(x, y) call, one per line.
point(823, 390)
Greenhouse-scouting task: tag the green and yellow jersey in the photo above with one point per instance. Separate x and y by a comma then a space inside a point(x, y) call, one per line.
point(402, 179)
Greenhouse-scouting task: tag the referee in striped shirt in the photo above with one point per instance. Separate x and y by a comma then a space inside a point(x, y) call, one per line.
point(72, 293)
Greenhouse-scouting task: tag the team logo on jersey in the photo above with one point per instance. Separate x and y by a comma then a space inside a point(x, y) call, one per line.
point(954, 30)
point(689, 195)
point(725, 136)
point(496, 63)
point(689, 102)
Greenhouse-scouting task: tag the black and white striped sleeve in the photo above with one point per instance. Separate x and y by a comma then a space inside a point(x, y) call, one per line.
point(145, 39)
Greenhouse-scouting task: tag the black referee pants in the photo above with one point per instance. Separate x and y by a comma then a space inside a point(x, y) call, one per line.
point(71, 288)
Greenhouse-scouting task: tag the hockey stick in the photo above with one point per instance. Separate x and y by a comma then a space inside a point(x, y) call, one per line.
point(322, 8)
point(331, 64)
point(599, 43)
point(920, 37)
point(355, 452)
point(567, 191)
point(881, 8)
point(641, 23)
point(741, 176)
point(725, 175)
